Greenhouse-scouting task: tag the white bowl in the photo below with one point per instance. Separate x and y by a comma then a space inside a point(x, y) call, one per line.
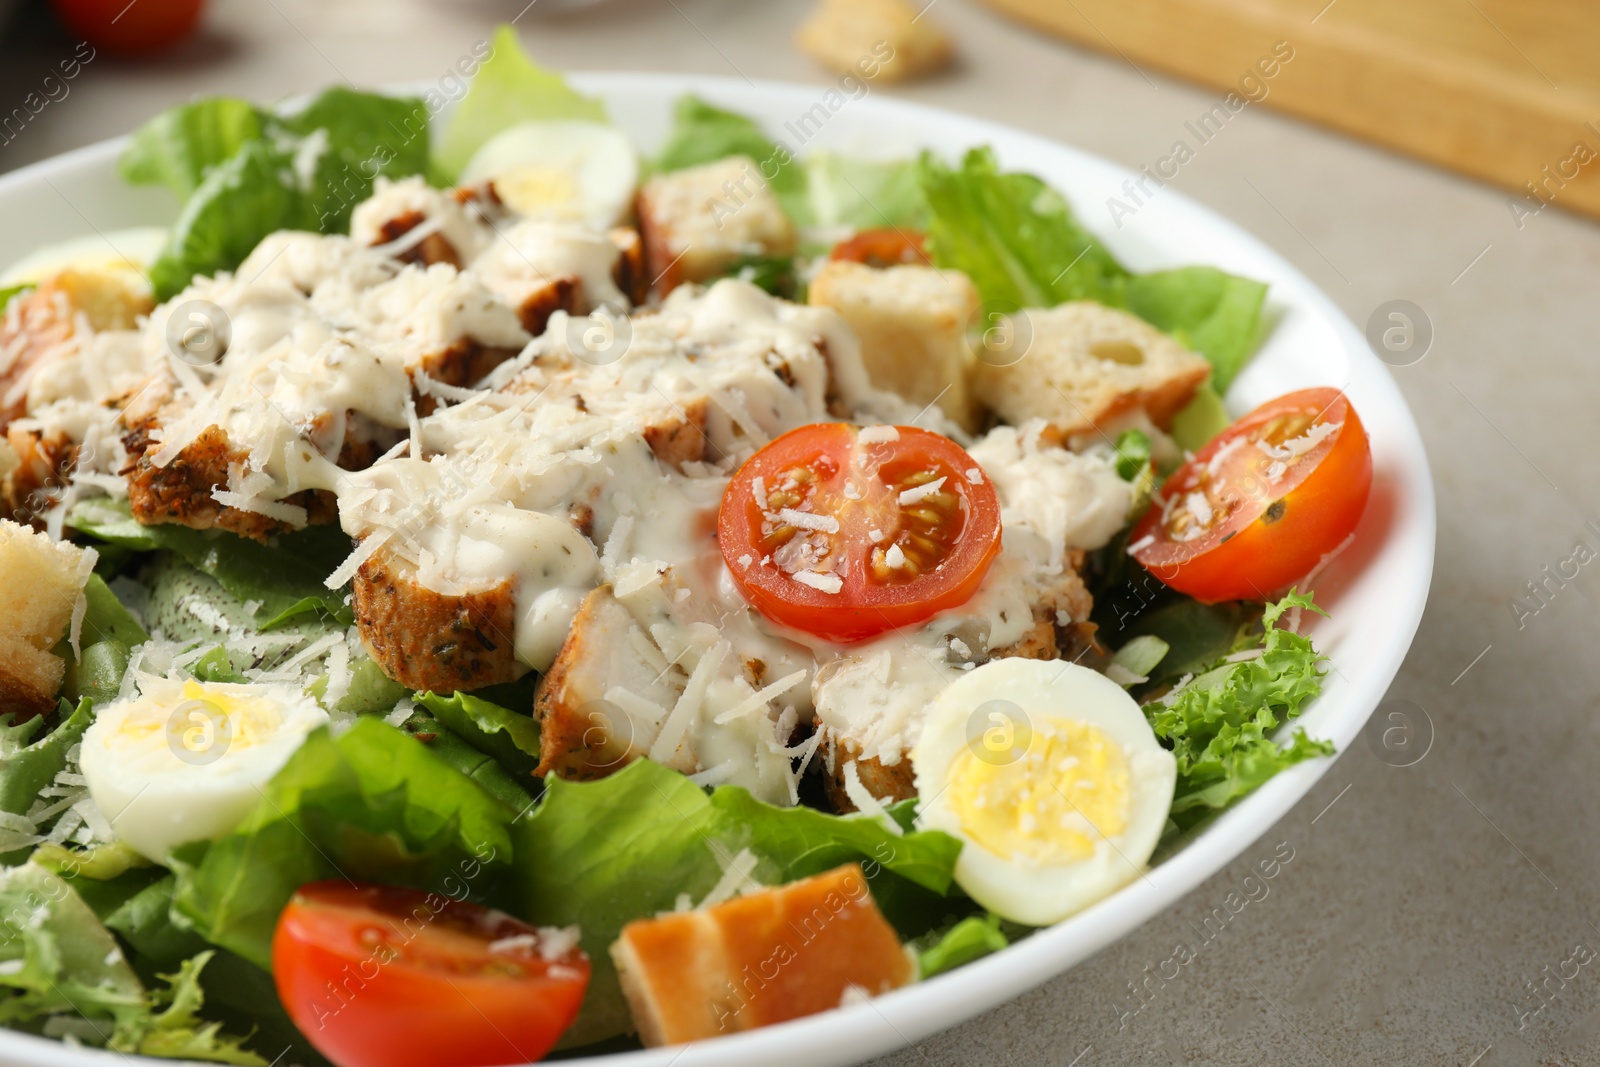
point(1375, 591)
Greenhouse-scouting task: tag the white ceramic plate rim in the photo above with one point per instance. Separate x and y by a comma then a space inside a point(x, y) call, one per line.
point(1377, 604)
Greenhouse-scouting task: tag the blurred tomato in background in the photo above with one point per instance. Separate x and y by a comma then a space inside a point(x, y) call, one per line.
point(130, 27)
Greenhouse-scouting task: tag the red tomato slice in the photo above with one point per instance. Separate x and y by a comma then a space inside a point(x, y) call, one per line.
point(885, 247)
point(1263, 503)
point(377, 976)
point(125, 29)
point(846, 535)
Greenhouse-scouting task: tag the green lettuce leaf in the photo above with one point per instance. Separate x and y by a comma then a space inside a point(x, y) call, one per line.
point(1220, 726)
point(516, 790)
point(240, 201)
point(704, 133)
point(181, 145)
point(1018, 241)
point(1014, 236)
point(368, 134)
point(285, 577)
point(509, 88)
point(824, 189)
point(58, 961)
point(1133, 454)
point(601, 854)
point(512, 738)
point(29, 762)
point(971, 938)
point(244, 173)
point(1200, 420)
point(373, 804)
point(862, 194)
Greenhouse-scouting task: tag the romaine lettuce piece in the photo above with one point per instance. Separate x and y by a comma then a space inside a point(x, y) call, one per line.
point(374, 804)
point(971, 938)
point(367, 134)
point(181, 145)
point(1018, 241)
point(29, 762)
point(244, 173)
point(509, 88)
point(863, 194)
point(240, 201)
point(286, 577)
point(512, 738)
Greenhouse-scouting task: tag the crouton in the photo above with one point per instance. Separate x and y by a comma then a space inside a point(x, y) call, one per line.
point(181, 492)
point(582, 735)
point(884, 40)
point(912, 322)
point(39, 321)
point(697, 223)
point(42, 580)
point(760, 959)
point(433, 641)
point(1081, 365)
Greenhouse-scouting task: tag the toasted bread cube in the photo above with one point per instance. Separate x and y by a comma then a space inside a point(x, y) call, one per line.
point(1081, 365)
point(912, 322)
point(774, 955)
point(40, 583)
point(699, 222)
point(429, 640)
point(885, 40)
point(582, 735)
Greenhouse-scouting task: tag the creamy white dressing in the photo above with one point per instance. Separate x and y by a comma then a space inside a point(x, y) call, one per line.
point(543, 476)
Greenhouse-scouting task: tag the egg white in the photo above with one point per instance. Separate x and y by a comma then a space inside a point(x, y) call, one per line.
point(1024, 888)
point(124, 252)
point(162, 777)
point(573, 170)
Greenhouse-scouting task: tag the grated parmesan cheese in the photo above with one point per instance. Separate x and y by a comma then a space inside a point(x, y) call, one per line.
point(824, 583)
point(918, 494)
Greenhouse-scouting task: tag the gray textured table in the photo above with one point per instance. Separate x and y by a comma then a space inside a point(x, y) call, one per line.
point(1423, 903)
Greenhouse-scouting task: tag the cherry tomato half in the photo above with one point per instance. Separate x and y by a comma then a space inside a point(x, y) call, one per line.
point(845, 533)
point(887, 246)
point(1260, 505)
point(125, 29)
point(377, 976)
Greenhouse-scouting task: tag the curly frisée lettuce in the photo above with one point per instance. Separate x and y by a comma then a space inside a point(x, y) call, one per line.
point(63, 973)
point(1220, 724)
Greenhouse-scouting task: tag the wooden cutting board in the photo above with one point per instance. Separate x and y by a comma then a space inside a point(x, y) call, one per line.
point(1504, 90)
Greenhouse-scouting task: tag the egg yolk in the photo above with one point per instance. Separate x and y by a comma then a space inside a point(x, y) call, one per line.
point(1050, 805)
point(245, 720)
point(533, 189)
